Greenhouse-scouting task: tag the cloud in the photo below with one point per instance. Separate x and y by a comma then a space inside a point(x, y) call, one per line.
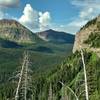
point(89, 9)
point(86, 13)
point(35, 20)
point(9, 3)
point(77, 23)
point(44, 20)
point(29, 17)
point(84, 3)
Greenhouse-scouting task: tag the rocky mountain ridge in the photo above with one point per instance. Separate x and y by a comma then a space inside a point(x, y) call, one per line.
point(90, 30)
point(14, 31)
point(56, 36)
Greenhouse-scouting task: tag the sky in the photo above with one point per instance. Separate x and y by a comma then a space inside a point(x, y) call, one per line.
point(60, 15)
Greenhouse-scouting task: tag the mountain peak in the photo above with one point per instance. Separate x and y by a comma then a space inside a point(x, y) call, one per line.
point(56, 36)
point(8, 21)
point(50, 30)
point(14, 31)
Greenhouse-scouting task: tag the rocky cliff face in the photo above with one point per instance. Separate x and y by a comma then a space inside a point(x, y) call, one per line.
point(14, 31)
point(92, 27)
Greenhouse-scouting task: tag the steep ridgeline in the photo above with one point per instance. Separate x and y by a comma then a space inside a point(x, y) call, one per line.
point(56, 37)
point(14, 31)
point(89, 36)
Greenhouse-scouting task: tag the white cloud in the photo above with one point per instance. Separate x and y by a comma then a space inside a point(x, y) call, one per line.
point(9, 3)
point(87, 12)
point(35, 20)
point(44, 20)
point(77, 23)
point(84, 3)
point(29, 17)
point(89, 9)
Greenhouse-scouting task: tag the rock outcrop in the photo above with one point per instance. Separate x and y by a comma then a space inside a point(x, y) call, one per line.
point(92, 27)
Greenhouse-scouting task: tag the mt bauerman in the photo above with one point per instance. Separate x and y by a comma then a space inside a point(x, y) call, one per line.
point(56, 37)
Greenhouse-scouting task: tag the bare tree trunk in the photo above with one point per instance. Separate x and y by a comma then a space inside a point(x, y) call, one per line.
point(23, 83)
point(50, 97)
point(26, 75)
point(85, 76)
point(20, 78)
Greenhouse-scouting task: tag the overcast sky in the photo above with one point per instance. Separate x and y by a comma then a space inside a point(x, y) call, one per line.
point(40, 15)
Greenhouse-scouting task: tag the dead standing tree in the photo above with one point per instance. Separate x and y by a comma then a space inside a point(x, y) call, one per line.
point(50, 96)
point(85, 76)
point(24, 82)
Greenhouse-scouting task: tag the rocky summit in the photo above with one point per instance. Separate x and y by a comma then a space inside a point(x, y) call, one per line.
point(14, 31)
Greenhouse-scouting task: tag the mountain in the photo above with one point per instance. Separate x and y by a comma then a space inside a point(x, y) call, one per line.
point(14, 31)
point(89, 36)
point(56, 37)
point(15, 35)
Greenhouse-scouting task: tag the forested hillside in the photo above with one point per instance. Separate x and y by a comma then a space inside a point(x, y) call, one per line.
point(65, 81)
point(68, 77)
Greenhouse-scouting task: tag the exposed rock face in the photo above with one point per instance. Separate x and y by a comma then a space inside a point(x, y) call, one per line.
point(92, 26)
point(14, 31)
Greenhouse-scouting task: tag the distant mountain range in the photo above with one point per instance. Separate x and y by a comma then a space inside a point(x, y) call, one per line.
point(55, 36)
point(14, 31)
point(15, 35)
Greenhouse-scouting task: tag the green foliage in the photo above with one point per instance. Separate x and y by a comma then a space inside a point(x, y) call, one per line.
point(98, 26)
point(93, 40)
point(70, 73)
point(49, 72)
point(10, 62)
